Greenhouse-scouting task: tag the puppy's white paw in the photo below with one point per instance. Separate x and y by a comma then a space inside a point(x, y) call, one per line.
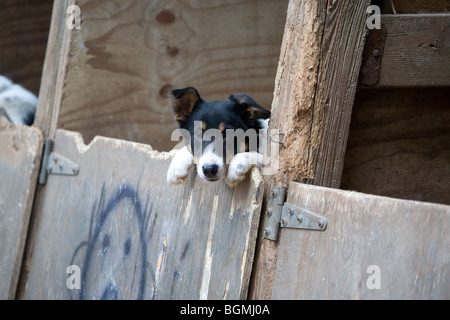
point(236, 174)
point(177, 174)
point(240, 165)
point(179, 167)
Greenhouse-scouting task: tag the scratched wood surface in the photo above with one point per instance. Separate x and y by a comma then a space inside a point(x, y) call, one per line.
point(20, 154)
point(407, 240)
point(133, 235)
point(130, 54)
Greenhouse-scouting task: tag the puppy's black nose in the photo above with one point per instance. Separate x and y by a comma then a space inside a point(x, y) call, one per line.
point(210, 170)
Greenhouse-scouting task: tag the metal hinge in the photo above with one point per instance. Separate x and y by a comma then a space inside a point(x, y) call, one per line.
point(372, 57)
point(287, 215)
point(53, 163)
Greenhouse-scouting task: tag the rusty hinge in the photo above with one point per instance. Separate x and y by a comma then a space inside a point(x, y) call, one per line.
point(373, 54)
point(287, 215)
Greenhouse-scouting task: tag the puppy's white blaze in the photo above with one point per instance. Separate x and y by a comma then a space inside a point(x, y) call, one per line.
point(208, 157)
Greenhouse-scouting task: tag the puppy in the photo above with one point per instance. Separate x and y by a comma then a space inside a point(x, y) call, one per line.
point(224, 139)
point(17, 103)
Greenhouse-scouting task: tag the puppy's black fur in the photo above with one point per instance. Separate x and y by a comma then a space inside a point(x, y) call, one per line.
point(236, 112)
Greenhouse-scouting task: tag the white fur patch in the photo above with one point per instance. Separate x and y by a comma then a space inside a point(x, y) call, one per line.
point(179, 167)
point(241, 164)
point(210, 158)
point(18, 103)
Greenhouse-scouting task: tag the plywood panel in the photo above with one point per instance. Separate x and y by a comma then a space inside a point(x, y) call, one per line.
point(20, 154)
point(130, 54)
point(407, 241)
point(133, 235)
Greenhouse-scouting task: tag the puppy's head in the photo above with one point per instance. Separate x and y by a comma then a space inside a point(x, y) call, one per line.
point(217, 130)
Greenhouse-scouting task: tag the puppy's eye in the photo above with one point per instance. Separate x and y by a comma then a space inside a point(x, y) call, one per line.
point(198, 134)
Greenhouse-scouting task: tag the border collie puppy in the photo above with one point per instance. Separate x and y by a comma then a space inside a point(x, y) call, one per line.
point(17, 103)
point(224, 139)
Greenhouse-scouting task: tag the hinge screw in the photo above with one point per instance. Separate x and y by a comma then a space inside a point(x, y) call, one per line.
point(283, 223)
point(269, 212)
point(300, 218)
point(266, 232)
point(291, 212)
point(320, 223)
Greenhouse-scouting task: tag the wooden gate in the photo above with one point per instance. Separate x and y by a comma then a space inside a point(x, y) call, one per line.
point(131, 235)
point(372, 248)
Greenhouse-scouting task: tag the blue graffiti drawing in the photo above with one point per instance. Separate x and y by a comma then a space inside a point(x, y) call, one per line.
point(115, 263)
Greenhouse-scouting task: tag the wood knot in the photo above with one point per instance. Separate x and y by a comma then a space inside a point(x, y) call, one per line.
point(173, 52)
point(166, 17)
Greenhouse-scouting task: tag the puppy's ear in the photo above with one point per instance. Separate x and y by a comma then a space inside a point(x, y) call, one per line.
point(184, 101)
point(248, 108)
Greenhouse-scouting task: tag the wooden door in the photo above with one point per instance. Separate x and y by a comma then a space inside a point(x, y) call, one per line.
point(131, 235)
point(20, 154)
point(372, 248)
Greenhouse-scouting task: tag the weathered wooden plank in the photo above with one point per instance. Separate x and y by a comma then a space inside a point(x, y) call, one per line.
point(399, 144)
point(20, 154)
point(220, 47)
point(407, 240)
point(133, 235)
point(417, 51)
point(54, 70)
point(313, 99)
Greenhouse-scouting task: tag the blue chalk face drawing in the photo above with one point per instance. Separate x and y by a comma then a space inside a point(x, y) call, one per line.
point(114, 265)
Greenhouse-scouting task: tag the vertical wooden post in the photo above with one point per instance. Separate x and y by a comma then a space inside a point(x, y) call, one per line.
point(315, 87)
point(54, 71)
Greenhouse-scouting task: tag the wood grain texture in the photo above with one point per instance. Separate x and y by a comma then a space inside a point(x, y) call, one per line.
point(130, 54)
point(314, 90)
point(133, 235)
point(399, 144)
point(417, 51)
point(54, 70)
point(24, 27)
point(20, 154)
point(407, 240)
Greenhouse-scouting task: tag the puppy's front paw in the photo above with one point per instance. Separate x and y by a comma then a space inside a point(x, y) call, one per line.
point(177, 174)
point(240, 165)
point(237, 173)
point(179, 168)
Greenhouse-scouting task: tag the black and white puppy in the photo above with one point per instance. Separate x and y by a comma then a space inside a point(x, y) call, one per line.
point(16, 103)
point(224, 139)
